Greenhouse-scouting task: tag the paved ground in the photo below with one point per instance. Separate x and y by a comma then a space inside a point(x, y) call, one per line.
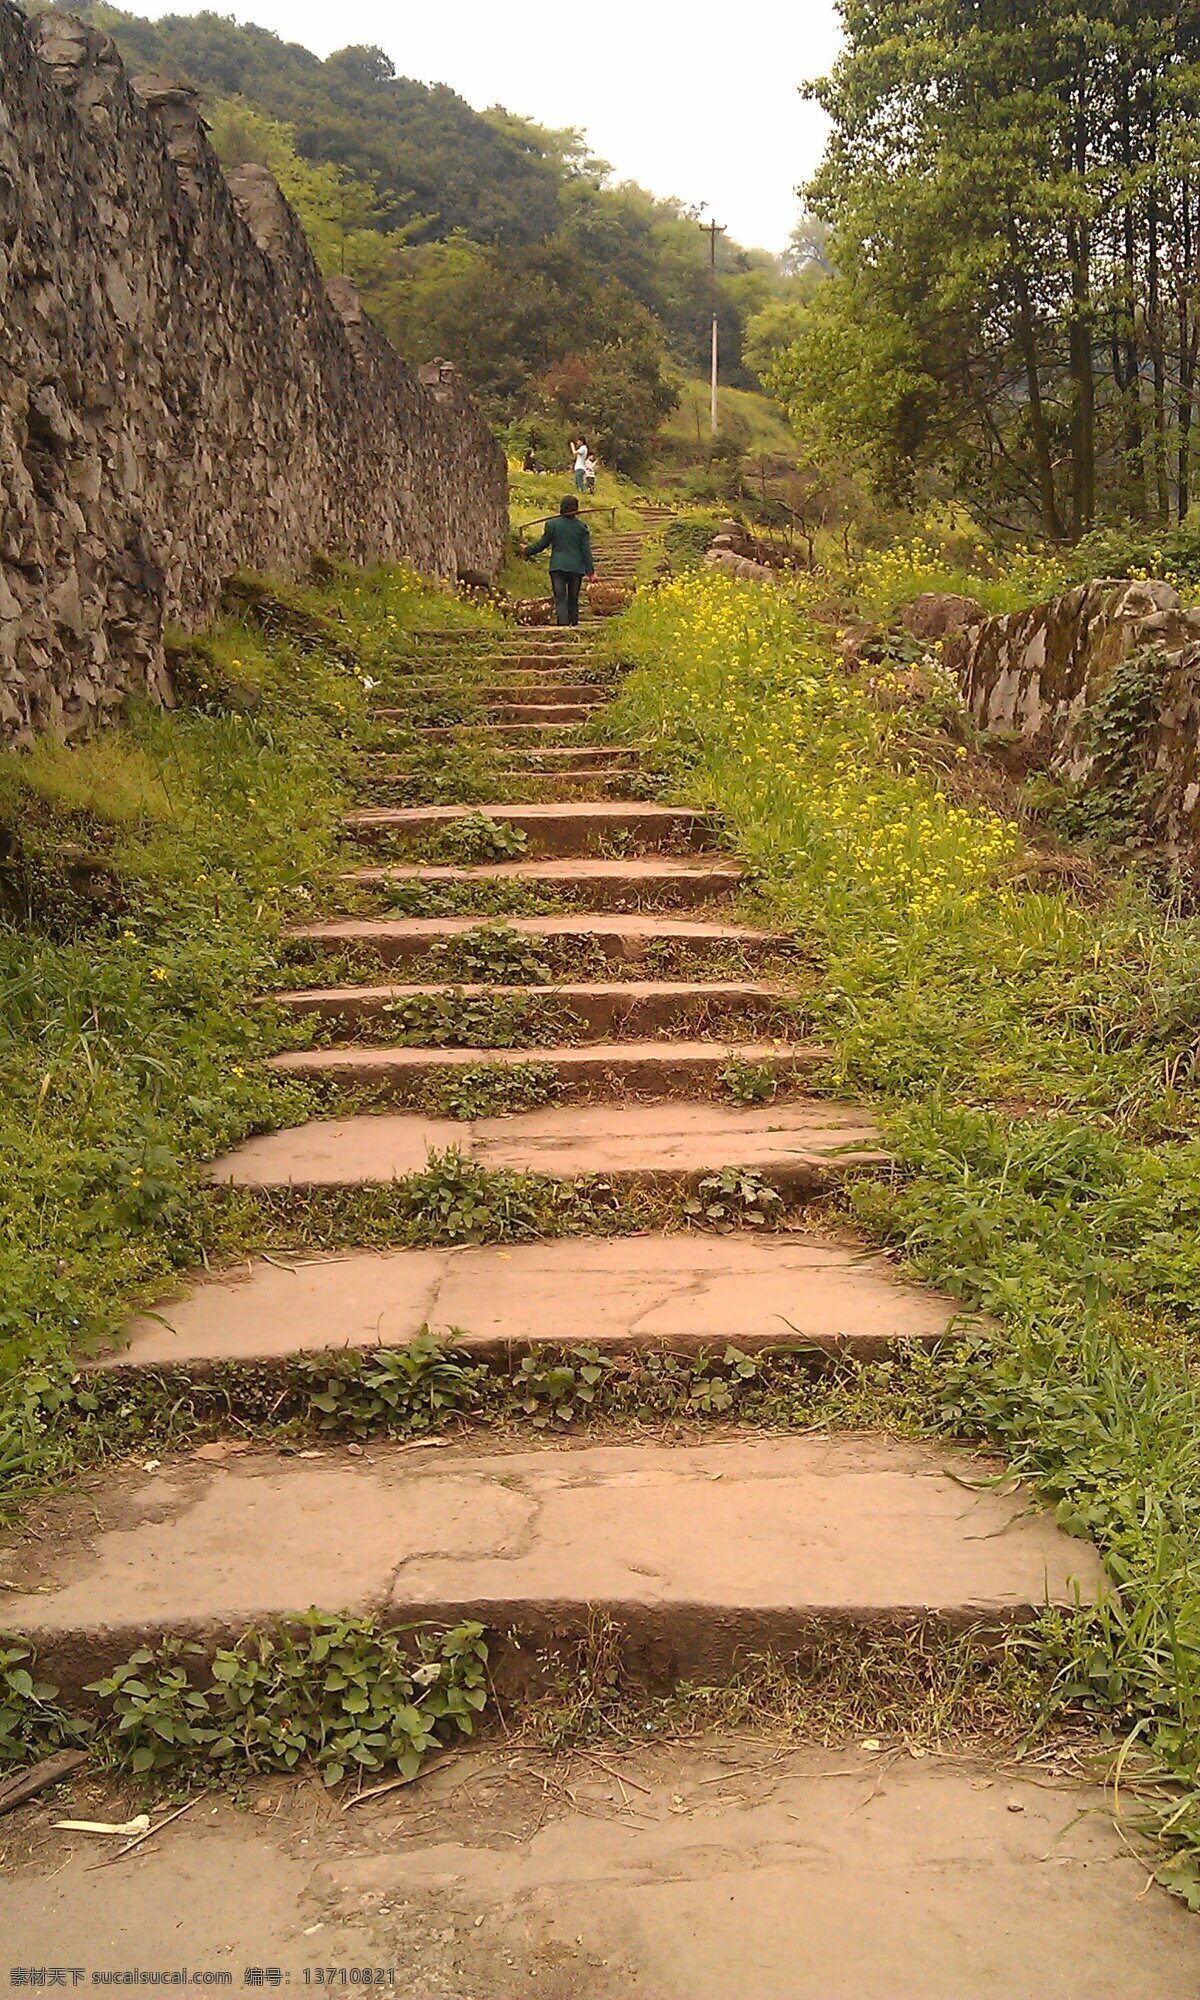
point(735, 1869)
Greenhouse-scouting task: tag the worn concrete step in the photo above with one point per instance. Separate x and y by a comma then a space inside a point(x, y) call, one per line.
point(501, 732)
point(600, 782)
point(551, 787)
point(802, 1147)
point(490, 692)
point(533, 636)
point(602, 1009)
point(591, 1070)
point(551, 830)
point(554, 757)
point(624, 1295)
point(628, 939)
point(661, 880)
point(558, 757)
point(556, 714)
point(699, 1554)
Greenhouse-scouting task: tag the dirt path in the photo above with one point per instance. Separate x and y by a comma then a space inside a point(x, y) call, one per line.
point(736, 1867)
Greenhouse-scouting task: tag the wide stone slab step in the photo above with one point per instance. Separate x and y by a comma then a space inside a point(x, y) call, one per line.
point(603, 885)
point(514, 732)
point(629, 939)
point(699, 1554)
point(562, 756)
point(555, 714)
point(517, 689)
point(551, 829)
point(594, 1069)
point(555, 757)
point(803, 1147)
point(623, 1295)
point(601, 1007)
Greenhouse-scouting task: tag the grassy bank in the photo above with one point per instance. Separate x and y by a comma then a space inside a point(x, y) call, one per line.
point(1036, 1065)
point(144, 880)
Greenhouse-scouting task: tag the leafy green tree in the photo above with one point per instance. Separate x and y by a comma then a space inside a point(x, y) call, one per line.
point(1012, 197)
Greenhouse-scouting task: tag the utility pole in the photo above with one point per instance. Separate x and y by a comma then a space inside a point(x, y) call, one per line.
point(712, 230)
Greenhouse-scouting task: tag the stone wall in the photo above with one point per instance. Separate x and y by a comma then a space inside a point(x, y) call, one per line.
point(180, 394)
point(1037, 676)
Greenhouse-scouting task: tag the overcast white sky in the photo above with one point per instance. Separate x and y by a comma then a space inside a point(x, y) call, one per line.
point(691, 101)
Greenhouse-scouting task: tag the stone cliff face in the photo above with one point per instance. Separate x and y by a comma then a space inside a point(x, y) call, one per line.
point(1039, 675)
point(180, 394)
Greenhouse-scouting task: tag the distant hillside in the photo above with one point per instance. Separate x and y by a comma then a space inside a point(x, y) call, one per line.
point(562, 298)
point(434, 160)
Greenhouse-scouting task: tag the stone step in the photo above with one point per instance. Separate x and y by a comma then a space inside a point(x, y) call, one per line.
point(551, 787)
point(501, 732)
point(556, 757)
point(599, 782)
point(551, 830)
point(492, 691)
point(591, 1071)
point(663, 881)
point(624, 1295)
point(629, 939)
point(602, 1009)
point(802, 1147)
point(556, 714)
point(699, 1554)
point(547, 695)
point(503, 636)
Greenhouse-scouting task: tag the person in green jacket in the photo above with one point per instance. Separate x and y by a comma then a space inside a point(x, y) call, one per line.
point(570, 546)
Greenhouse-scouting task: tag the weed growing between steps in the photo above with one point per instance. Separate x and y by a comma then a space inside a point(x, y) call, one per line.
point(1038, 1063)
point(345, 1696)
point(915, 1682)
point(355, 1699)
point(490, 1090)
point(144, 879)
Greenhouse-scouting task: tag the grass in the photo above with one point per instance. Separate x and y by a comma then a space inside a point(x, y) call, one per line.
point(756, 423)
point(1037, 1064)
point(145, 877)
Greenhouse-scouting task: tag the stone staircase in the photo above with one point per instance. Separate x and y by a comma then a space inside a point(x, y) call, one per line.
point(672, 1047)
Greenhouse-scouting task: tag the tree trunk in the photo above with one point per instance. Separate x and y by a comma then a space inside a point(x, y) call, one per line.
point(1043, 456)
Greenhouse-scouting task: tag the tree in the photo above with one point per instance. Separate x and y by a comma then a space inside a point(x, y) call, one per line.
point(1015, 188)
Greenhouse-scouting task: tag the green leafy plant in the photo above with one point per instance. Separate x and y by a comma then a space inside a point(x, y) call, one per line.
point(749, 1082)
point(734, 1196)
point(487, 1090)
point(717, 1383)
point(493, 953)
point(455, 1019)
point(31, 1721)
point(556, 1388)
point(476, 837)
point(412, 1388)
point(346, 1695)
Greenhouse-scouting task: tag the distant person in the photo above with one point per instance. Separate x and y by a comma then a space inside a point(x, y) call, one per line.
point(580, 453)
point(531, 462)
point(570, 546)
point(591, 465)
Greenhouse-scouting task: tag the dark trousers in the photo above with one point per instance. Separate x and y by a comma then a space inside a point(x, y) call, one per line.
point(565, 585)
